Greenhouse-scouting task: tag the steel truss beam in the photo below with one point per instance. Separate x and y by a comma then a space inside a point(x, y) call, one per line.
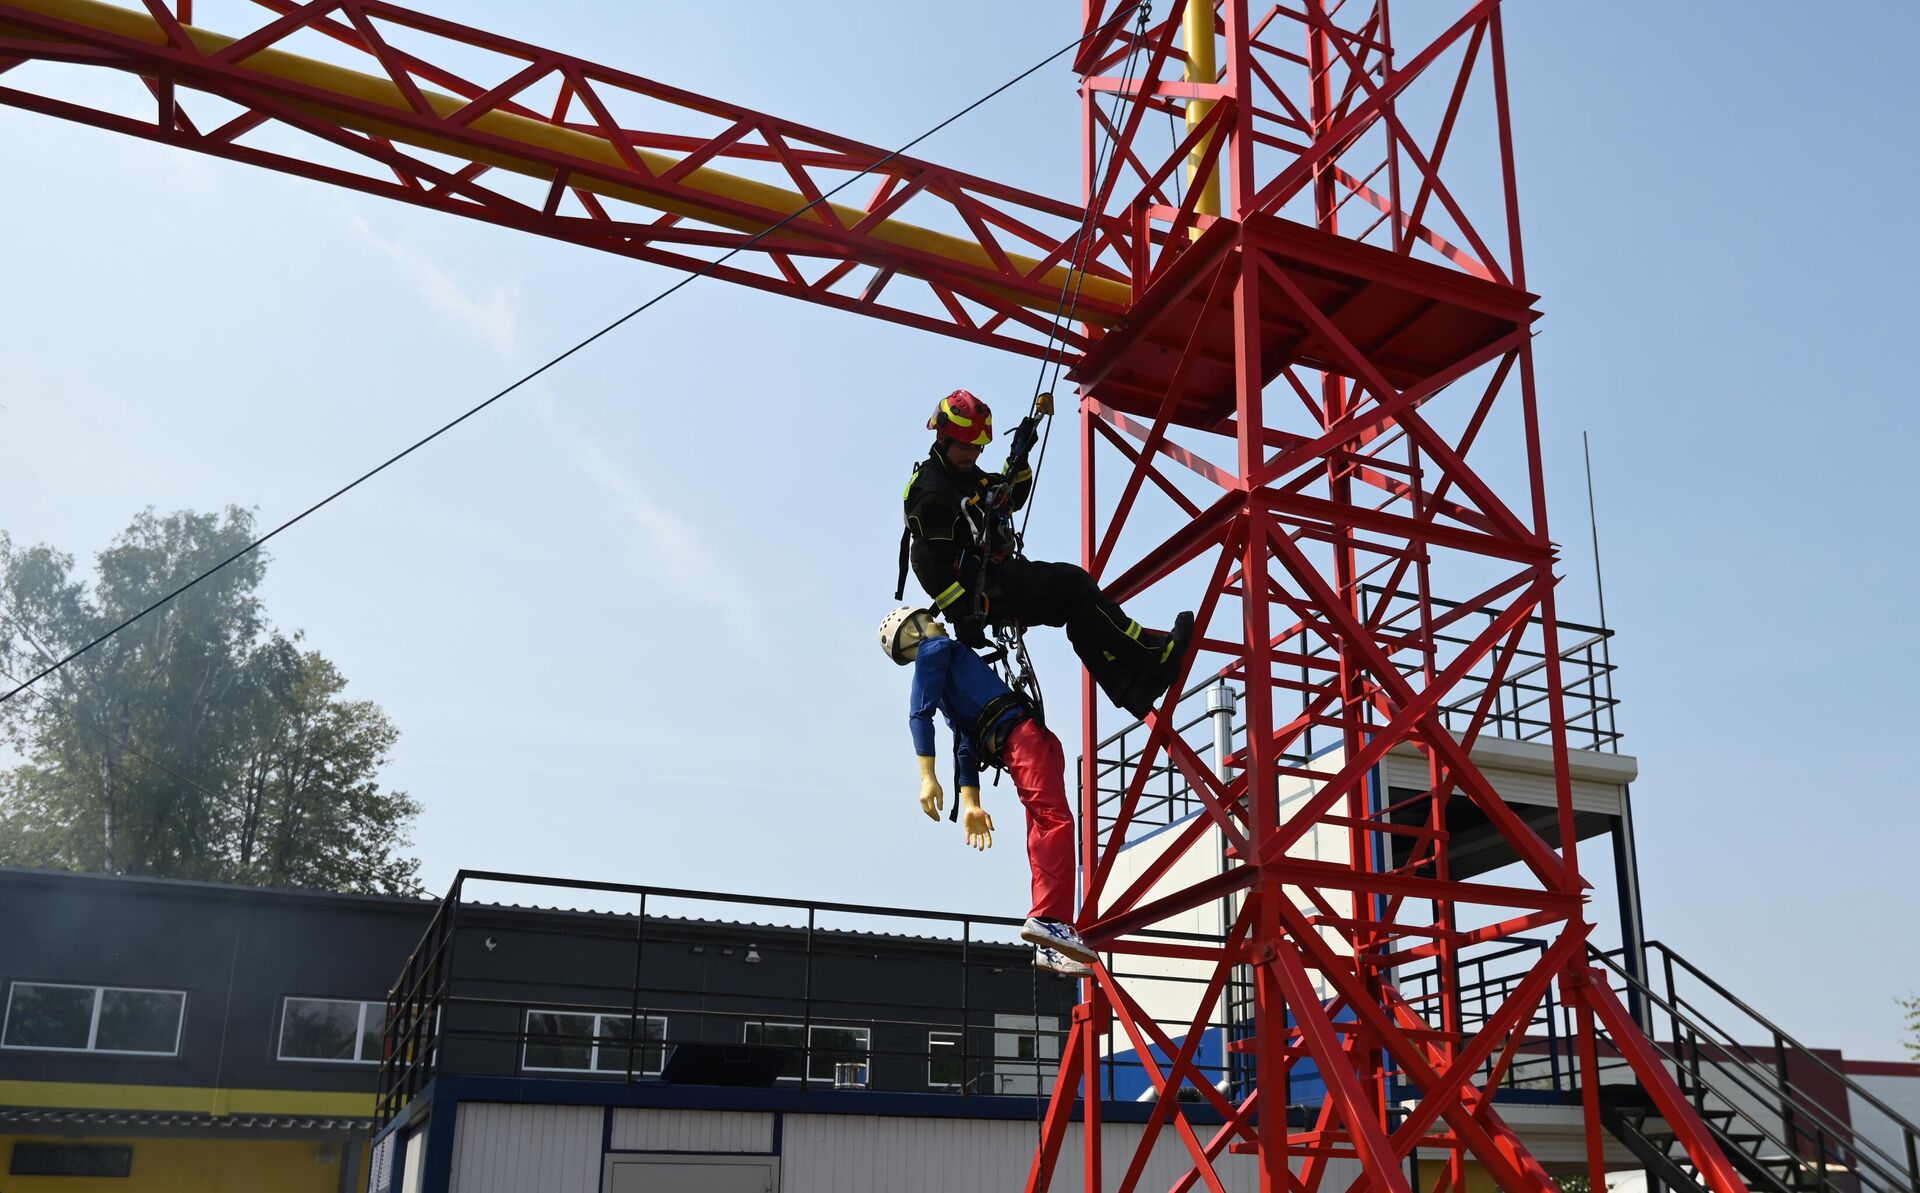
point(359, 94)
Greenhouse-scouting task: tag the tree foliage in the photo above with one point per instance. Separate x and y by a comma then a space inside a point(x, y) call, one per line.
point(201, 742)
point(1912, 1007)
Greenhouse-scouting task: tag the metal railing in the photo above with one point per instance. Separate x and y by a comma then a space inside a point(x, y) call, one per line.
point(864, 997)
point(1516, 704)
point(1770, 1099)
point(1838, 1144)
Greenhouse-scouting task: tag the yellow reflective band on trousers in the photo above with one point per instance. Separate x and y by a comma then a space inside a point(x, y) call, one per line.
point(1133, 630)
point(953, 593)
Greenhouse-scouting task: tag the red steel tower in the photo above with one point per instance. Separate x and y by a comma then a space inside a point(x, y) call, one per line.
point(1307, 394)
point(1323, 346)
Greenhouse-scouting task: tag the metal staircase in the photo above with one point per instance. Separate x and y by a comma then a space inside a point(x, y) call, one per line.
point(1783, 1114)
point(1786, 1117)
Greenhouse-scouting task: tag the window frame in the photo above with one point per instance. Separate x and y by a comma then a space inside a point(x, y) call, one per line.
point(30, 1150)
point(359, 1034)
point(93, 1020)
point(956, 1040)
point(594, 1037)
point(807, 1046)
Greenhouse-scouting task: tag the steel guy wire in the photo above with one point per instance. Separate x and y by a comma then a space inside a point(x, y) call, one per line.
point(703, 271)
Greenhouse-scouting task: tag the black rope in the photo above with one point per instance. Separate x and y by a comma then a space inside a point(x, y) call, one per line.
point(1039, 1107)
point(1015, 664)
point(703, 271)
point(1076, 276)
point(1012, 640)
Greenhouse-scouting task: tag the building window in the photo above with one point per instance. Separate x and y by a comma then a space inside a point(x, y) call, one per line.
point(1026, 1052)
point(57, 1017)
point(829, 1044)
point(337, 1030)
point(584, 1042)
point(943, 1060)
point(70, 1159)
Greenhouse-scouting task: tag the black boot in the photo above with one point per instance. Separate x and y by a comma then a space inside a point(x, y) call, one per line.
point(1143, 693)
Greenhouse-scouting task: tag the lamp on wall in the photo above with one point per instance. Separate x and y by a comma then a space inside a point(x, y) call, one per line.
point(753, 955)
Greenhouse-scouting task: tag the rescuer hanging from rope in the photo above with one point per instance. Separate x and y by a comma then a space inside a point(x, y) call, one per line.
point(994, 724)
point(961, 545)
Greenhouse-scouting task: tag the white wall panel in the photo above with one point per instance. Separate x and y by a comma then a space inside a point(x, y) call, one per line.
point(1522, 772)
point(691, 1131)
point(862, 1154)
point(505, 1148)
point(501, 1148)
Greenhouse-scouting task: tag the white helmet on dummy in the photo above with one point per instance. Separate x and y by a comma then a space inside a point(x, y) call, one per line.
point(902, 631)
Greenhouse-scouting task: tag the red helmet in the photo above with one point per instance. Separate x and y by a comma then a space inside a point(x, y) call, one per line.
point(963, 418)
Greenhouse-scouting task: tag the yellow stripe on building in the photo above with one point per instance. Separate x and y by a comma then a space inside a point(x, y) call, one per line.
point(91, 1095)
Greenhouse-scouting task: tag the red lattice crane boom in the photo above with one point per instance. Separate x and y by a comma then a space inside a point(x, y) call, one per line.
point(352, 92)
point(1292, 341)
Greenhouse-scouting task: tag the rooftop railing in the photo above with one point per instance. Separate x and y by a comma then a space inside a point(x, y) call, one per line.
point(605, 980)
point(1516, 703)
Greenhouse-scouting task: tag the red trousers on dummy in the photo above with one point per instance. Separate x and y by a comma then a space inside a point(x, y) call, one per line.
point(1038, 766)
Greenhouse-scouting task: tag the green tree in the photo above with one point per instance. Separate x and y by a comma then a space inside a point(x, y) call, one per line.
point(1912, 1007)
point(200, 742)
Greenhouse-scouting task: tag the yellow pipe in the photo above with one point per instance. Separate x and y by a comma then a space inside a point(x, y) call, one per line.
point(141, 26)
point(1202, 67)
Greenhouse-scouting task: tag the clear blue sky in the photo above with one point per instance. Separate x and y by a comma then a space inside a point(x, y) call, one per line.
point(625, 619)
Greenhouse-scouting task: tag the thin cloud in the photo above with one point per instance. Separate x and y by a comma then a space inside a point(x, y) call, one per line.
point(490, 317)
point(684, 561)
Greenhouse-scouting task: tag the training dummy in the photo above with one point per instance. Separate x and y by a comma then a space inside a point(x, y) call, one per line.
point(960, 542)
point(992, 723)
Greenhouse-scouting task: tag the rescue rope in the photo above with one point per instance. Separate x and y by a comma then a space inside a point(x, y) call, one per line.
point(1016, 667)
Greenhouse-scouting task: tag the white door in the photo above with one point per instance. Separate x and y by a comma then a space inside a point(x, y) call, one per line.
point(692, 1174)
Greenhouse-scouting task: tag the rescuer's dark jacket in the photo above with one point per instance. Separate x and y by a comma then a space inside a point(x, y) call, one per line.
point(943, 507)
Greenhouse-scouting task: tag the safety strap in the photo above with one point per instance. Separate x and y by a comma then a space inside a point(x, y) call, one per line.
point(983, 725)
point(906, 537)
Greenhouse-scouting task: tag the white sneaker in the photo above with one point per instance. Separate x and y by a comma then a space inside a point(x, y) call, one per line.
point(1060, 963)
point(1060, 935)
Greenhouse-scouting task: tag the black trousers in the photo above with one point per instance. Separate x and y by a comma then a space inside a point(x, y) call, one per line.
point(1113, 647)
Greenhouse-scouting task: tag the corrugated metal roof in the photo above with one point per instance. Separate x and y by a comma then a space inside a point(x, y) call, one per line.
point(225, 888)
point(744, 925)
point(419, 903)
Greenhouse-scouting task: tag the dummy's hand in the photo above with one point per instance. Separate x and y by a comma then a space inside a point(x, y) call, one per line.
point(978, 825)
point(932, 800)
point(1043, 405)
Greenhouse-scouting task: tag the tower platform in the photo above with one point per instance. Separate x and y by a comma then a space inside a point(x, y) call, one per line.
point(1412, 319)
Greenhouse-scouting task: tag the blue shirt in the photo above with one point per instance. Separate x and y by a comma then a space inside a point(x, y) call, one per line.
point(950, 678)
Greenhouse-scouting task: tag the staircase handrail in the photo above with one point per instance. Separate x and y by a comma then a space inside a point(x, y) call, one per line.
point(1819, 1115)
point(1852, 1085)
point(1675, 1053)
